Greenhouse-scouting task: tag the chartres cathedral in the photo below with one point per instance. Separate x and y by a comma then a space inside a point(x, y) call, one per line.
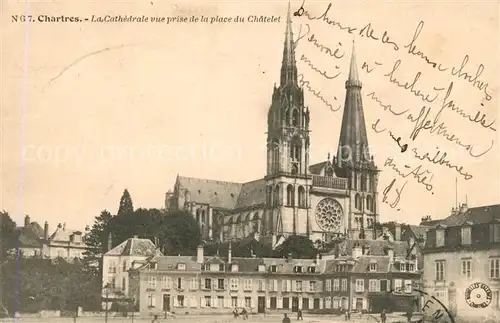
point(331, 199)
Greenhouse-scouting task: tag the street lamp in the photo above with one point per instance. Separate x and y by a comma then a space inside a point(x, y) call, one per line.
point(106, 287)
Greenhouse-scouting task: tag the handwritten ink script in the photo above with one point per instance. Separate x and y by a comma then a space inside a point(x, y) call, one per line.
point(439, 97)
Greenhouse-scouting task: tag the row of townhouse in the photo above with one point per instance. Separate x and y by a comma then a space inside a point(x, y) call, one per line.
point(367, 275)
point(462, 263)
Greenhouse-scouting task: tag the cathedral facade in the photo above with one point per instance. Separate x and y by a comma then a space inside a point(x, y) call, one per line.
point(327, 200)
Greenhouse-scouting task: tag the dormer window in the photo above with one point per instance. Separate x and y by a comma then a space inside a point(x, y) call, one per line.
point(221, 267)
point(262, 268)
point(274, 268)
point(466, 236)
point(312, 269)
point(440, 237)
point(297, 269)
point(181, 266)
point(373, 266)
point(234, 267)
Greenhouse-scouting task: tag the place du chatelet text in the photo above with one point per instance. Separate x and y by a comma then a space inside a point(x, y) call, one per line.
point(145, 19)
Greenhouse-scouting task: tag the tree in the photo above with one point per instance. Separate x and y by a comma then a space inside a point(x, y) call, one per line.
point(126, 205)
point(299, 247)
point(145, 223)
point(426, 219)
point(179, 233)
point(8, 234)
point(97, 238)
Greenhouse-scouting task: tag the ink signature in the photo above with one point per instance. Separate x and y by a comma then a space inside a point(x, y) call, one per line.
point(423, 176)
point(403, 147)
point(399, 191)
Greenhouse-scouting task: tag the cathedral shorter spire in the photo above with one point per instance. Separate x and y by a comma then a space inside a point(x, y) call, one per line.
point(353, 143)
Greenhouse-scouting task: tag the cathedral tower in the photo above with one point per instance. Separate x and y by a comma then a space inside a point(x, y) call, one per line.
point(287, 179)
point(355, 162)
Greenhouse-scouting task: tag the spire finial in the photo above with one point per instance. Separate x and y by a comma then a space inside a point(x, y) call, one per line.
point(288, 67)
point(353, 70)
point(328, 156)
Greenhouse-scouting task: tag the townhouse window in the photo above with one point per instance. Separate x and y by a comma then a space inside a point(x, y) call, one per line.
point(248, 302)
point(152, 281)
point(383, 285)
point(208, 301)
point(179, 282)
point(247, 284)
point(344, 285)
point(286, 302)
point(360, 285)
point(441, 296)
point(220, 283)
point(466, 239)
point(234, 301)
point(298, 285)
point(336, 285)
point(328, 285)
point(208, 283)
point(123, 283)
point(124, 265)
point(274, 268)
point(398, 285)
point(274, 303)
point(495, 267)
point(494, 233)
point(262, 285)
point(439, 238)
point(220, 301)
point(374, 285)
point(180, 300)
point(221, 267)
point(297, 269)
point(167, 282)
point(373, 267)
point(402, 267)
point(234, 283)
point(312, 269)
point(408, 286)
point(440, 270)
point(112, 268)
point(151, 300)
point(328, 302)
point(466, 268)
point(181, 267)
point(312, 286)
point(193, 284)
point(411, 267)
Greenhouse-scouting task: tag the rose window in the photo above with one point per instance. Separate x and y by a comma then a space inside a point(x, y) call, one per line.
point(329, 215)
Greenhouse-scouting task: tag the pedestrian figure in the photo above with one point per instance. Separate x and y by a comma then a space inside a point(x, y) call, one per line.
point(299, 315)
point(155, 319)
point(383, 316)
point(286, 319)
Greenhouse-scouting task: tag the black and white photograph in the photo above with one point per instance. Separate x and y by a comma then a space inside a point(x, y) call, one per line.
point(261, 161)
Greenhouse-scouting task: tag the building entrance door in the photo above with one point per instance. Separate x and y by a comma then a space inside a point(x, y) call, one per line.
point(261, 304)
point(295, 304)
point(166, 302)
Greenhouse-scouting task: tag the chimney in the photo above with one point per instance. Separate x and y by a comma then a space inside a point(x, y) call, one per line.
point(463, 208)
point(289, 258)
point(46, 231)
point(110, 241)
point(356, 251)
point(199, 256)
point(318, 257)
point(64, 226)
point(229, 253)
point(27, 220)
point(397, 232)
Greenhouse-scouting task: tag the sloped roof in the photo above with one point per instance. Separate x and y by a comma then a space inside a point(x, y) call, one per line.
point(476, 215)
point(286, 266)
point(171, 262)
point(418, 230)
point(37, 229)
point(377, 247)
point(317, 168)
point(222, 194)
point(134, 247)
point(252, 194)
point(28, 238)
point(62, 234)
point(362, 263)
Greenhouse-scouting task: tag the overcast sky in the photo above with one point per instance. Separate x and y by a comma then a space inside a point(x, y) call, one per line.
point(89, 109)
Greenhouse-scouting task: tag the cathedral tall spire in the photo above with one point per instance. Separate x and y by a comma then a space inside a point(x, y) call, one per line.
point(288, 65)
point(353, 142)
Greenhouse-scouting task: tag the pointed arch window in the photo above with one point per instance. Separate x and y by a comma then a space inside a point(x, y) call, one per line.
point(269, 195)
point(255, 223)
point(369, 203)
point(363, 182)
point(302, 196)
point(290, 195)
point(357, 202)
point(277, 195)
point(355, 181)
point(295, 118)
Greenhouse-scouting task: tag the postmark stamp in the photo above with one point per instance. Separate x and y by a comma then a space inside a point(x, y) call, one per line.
point(478, 295)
